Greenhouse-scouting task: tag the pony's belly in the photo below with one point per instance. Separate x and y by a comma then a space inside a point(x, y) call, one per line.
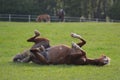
point(57, 54)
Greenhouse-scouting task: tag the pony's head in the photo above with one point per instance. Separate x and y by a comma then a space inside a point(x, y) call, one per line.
point(104, 60)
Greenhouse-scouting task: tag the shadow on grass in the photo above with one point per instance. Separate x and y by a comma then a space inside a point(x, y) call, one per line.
point(51, 65)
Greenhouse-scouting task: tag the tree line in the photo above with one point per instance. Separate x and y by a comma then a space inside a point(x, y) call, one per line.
point(75, 8)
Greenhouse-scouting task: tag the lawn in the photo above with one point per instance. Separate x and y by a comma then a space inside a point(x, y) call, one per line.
point(102, 38)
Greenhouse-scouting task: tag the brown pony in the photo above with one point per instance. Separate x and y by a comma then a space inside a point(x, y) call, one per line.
point(43, 18)
point(42, 53)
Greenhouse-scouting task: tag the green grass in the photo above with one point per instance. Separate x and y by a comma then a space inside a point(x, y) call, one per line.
point(102, 38)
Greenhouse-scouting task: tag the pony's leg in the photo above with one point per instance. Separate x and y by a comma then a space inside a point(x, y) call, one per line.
point(80, 44)
point(76, 47)
point(26, 60)
point(20, 58)
point(62, 18)
point(23, 57)
point(40, 57)
point(32, 39)
point(78, 57)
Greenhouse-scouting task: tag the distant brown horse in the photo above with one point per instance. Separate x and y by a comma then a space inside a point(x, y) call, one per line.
point(43, 18)
point(62, 54)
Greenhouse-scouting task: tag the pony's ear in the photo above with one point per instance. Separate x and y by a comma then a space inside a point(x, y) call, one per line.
point(102, 55)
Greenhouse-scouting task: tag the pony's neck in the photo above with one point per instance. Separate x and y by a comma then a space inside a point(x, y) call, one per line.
point(92, 61)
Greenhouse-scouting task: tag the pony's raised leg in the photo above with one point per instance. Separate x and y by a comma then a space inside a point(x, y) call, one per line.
point(26, 60)
point(32, 39)
point(79, 50)
point(40, 57)
point(83, 42)
point(78, 56)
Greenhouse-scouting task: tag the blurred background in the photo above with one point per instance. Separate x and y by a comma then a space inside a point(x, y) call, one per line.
point(75, 10)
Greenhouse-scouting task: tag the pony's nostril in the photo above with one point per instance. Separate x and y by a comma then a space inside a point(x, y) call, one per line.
point(106, 60)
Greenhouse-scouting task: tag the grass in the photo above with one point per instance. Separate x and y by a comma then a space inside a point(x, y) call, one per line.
point(102, 38)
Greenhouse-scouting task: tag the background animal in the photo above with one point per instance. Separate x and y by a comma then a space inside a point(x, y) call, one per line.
point(43, 18)
point(60, 15)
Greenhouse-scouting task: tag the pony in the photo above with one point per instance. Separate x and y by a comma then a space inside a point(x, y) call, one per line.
point(42, 53)
point(60, 15)
point(43, 18)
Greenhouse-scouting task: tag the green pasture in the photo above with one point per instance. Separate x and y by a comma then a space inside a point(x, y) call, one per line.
point(102, 38)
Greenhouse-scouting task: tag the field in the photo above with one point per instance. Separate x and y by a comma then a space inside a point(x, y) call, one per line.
point(102, 38)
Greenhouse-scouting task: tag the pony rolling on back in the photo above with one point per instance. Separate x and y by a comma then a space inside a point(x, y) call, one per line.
point(43, 18)
point(61, 54)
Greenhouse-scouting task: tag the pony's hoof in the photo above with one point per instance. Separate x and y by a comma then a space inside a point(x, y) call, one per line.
point(75, 35)
point(37, 33)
